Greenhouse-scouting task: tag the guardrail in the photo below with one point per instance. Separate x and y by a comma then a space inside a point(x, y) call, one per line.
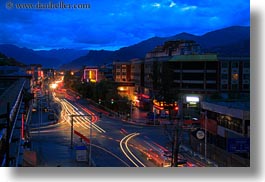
point(14, 96)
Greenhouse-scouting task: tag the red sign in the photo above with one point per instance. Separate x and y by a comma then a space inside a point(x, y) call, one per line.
point(82, 136)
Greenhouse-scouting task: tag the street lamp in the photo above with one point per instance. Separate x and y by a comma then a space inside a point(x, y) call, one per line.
point(90, 132)
point(54, 85)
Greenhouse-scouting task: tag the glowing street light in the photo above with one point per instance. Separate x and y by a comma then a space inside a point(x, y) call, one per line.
point(53, 85)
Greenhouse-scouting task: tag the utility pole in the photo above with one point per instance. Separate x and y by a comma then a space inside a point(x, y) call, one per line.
point(175, 147)
point(72, 130)
point(90, 132)
point(131, 112)
point(154, 116)
point(177, 133)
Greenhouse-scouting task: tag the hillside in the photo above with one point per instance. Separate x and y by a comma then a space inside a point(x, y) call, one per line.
point(231, 41)
point(48, 58)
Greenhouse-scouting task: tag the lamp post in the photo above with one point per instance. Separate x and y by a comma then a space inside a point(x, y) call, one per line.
point(90, 132)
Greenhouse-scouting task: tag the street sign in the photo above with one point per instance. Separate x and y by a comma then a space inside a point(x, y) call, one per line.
point(238, 145)
point(200, 134)
point(81, 153)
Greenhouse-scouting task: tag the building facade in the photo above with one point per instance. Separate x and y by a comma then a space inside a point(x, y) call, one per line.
point(227, 125)
point(122, 71)
point(234, 74)
point(123, 78)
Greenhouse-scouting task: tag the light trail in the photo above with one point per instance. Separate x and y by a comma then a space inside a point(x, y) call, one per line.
point(80, 121)
point(127, 138)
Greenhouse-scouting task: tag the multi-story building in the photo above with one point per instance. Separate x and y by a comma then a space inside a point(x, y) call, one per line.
point(122, 71)
point(106, 72)
point(167, 61)
point(228, 132)
point(15, 109)
point(234, 74)
point(96, 74)
point(194, 73)
point(123, 78)
point(35, 70)
point(178, 68)
point(173, 48)
point(137, 70)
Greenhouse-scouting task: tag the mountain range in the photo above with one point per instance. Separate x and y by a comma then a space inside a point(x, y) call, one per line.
point(230, 41)
point(48, 58)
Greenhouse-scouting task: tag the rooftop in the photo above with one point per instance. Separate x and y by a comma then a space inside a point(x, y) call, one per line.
point(242, 105)
point(195, 57)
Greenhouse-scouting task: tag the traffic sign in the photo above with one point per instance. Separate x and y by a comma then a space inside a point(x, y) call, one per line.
point(81, 154)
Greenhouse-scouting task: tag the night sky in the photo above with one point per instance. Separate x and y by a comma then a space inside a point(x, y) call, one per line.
point(112, 24)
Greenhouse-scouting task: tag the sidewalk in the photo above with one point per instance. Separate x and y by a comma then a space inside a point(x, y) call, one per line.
point(50, 142)
point(52, 152)
point(51, 146)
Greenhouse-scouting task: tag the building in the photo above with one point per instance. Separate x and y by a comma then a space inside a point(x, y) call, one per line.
point(194, 73)
point(228, 132)
point(173, 48)
point(234, 74)
point(91, 74)
point(123, 78)
point(106, 72)
point(35, 70)
point(122, 71)
point(178, 68)
point(15, 109)
point(165, 63)
point(141, 100)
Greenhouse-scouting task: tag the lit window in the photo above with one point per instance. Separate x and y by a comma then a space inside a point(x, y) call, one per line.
point(235, 76)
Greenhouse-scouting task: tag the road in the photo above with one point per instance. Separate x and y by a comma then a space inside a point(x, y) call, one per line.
point(114, 143)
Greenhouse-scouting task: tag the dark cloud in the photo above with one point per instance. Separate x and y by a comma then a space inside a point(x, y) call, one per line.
point(109, 24)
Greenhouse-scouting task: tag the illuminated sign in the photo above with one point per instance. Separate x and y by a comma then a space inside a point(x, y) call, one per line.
point(91, 75)
point(193, 99)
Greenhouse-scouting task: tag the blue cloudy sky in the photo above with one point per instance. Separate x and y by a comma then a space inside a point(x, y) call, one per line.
point(111, 24)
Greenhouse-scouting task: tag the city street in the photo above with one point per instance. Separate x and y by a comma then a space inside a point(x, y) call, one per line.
point(114, 141)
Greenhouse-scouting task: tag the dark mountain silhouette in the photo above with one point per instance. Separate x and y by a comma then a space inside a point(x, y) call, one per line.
point(51, 58)
point(231, 41)
point(7, 61)
point(226, 36)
